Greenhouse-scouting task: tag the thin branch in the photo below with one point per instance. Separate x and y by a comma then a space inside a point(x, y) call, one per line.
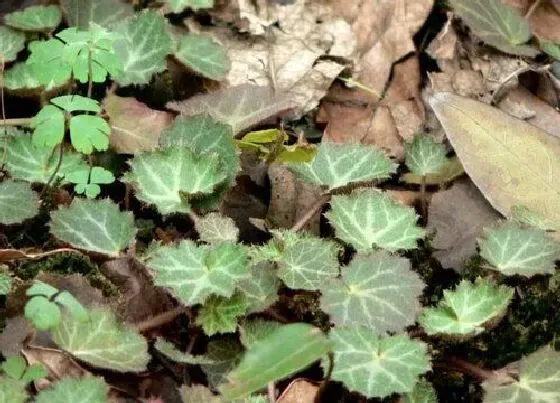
point(532, 9)
point(467, 368)
point(161, 319)
point(326, 379)
point(16, 122)
point(302, 222)
point(271, 392)
point(53, 175)
point(90, 74)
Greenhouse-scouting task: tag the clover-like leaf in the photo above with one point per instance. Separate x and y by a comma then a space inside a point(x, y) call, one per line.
point(193, 273)
point(468, 310)
point(170, 178)
point(202, 55)
point(538, 381)
point(287, 350)
point(11, 43)
point(369, 218)
point(377, 290)
point(220, 314)
point(88, 133)
point(513, 249)
point(73, 103)
point(35, 18)
point(44, 314)
point(12, 390)
point(49, 127)
point(178, 6)
point(76, 390)
point(216, 228)
point(47, 62)
point(5, 284)
point(225, 354)
point(337, 165)
point(87, 180)
point(94, 225)
point(103, 342)
point(16, 368)
point(17, 202)
point(261, 288)
point(171, 352)
point(377, 366)
point(424, 156)
point(107, 13)
point(253, 330)
point(423, 392)
point(142, 49)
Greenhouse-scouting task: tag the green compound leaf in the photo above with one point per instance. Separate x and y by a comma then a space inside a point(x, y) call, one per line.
point(170, 178)
point(87, 180)
point(21, 78)
point(225, 355)
point(37, 164)
point(12, 390)
point(171, 352)
point(76, 390)
point(103, 342)
point(220, 314)
point(43, 313)
point(193, 273)
point(204, 56)
point(88, 133)
point(423, 392)
point(515, 250)
point(496, 24)
point(424, 156)
point(94, 225)
point(216, 228)
point(287, 350)
point(377, 366)
point(48, 127)
point(107, 13)
point(198, 394)
point(337, 165)
point(11, 43)
point(47, 63)
point(370, 218)
point(73, 103)
point(5, 284)
point(142, 49)
point(378, 290)
point(468, 310)
point(178, 6)
point(17, 202)
point(261, 288)
point(253, 330)
point(539, 381)
point(14, 366)
point(35, 18)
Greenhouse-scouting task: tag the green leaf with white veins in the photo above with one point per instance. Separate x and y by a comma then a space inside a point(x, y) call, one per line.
point(12, 390)
point(107, 13)
point(35, 18)
point(201, 54)
point(20, 77)
point(75, 390)
point(193, 273)
point(337, 165)
point(378, 290)
point(17, 202)
point(48, 127)
point(370, 218)
point(88, 133)
point(94, 225)
point(377, 366)
point(169, 178)
point(142, 49)
point(220, 314)
point(11, 43)
point(423, 392)
point(515, 250)
point(216, 228)
point(225, 354)
point(103, 342)
point(171, 352)
point(261, 288)
point(424, 156)
point(178, 6)
point(253, 330)
point(5, 284)
point(467, 310)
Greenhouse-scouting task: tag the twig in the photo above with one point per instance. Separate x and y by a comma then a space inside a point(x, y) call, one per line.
point(5, 148)
point(423, 204)
point(467, 368)
point(160, 319)
point(311, 213)
point(16, 122)
point(326, 379)
point(271, 392)
point(53, 175)
point(532, 9)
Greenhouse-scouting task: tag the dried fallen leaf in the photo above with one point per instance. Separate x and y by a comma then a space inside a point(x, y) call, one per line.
point(299, 391)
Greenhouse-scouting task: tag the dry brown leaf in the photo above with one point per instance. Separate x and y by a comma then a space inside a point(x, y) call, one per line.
point(299, 391)
point(443, 46)
point(13, 335)
point(58, 364)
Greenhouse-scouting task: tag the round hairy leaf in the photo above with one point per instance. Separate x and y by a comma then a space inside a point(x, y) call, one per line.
point(216, 228)
point(198, 394)
point(88, 133)
point(171, 352)
point(513, 249)
point(35, 18)
point(5, 284)
point(538, 381)
point(524, 215)
point(220, 314)
point(12, 390)
point(253, 330)
point(47, 62)
point(377, 290)
point(11, 43)
point(142, 48)
point(467, 309)
point(49, 127)
point(73, 103)
point(107, 13)
point(76, 390)
point(17, 202)
point(94, 225)
point(371, 218)
point(43, 313)
point(287, 350)
point(170, 178)
point(103, 342)
point(204, 56)
point(193, 273)
point(225, 355)
point(178, 6)
point(424, 156)
point(423, 392)
point(337, 165)
point(261, 288)
point(377, 366)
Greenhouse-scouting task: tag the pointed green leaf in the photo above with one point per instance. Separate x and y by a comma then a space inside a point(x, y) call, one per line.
point(142, 49)
point(88, 133)
point(35, 18)
point(76, 390)
point(467, 310)
point(49, 127)
point(337, 165)
point(107, 13)
point(178, 6)
point(513, 249)
point(103, 342)
point(423, 392)
point(198, 394)
point(378, 290)
point(424, 156)
point(253, 330)
point(370, 218)
point(538, 381)
point(47, 64)
point(497, 24)
point(215, 228)
point(261, 288)
point(43, 313)
point(201, 54)
point(94, 225)
point(5, 284)
point(220, 314)
point(225, 355)
point(17, 202)
point(11, 43)
point(377, 366)
point(14, 366)
point(12, 391)
point(73, 103)
point(193, 273)
point(169, 178)
point(171, 352)
point(287, 350)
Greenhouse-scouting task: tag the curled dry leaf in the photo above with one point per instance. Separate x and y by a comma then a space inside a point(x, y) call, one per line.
point(299, 391)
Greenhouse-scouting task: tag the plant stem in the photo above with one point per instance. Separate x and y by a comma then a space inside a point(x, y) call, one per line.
point(161, 319)
point(53, 175)
point(5, 148)
point(271, 392)
point(90, 74)
point(311, 213)
point(423, 203)
point(326, 379)
point(532, 9)
point(467, 368)
point(16, 122)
